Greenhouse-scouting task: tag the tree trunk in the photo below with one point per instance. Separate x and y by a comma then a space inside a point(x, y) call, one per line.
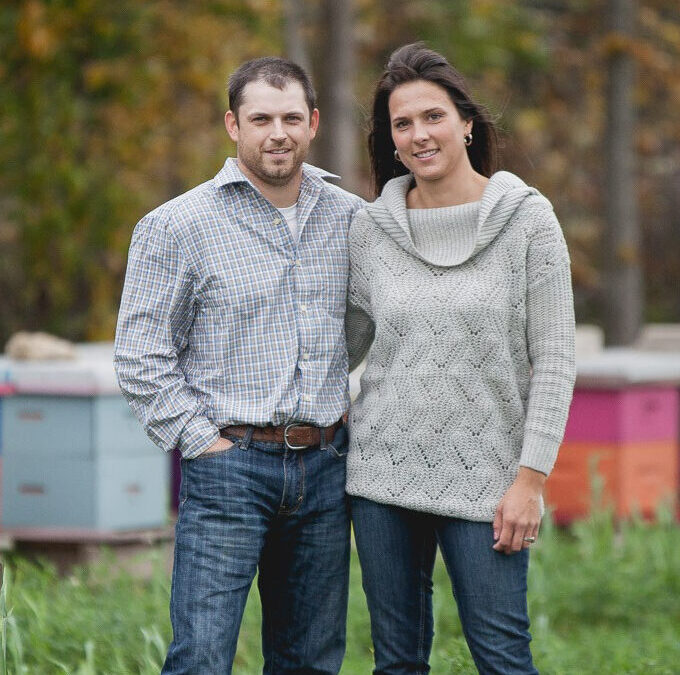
point(336, 148)
point(623, 290)
point(293, 34)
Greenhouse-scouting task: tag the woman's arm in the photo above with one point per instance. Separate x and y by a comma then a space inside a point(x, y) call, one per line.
point(550, 343)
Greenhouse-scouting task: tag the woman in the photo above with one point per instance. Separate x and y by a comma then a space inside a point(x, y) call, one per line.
point(460, 292)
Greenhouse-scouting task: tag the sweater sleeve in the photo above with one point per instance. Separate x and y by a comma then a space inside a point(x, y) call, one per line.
point(550, 340)
point(359, 325)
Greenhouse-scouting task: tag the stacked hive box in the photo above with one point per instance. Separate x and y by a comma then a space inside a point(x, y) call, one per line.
point(74, 456)
point(622, 428)
point(5, 389)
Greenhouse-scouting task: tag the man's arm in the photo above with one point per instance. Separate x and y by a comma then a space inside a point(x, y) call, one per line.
point(154, 323)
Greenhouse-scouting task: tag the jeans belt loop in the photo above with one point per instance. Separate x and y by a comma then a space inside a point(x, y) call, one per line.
point(245, 441)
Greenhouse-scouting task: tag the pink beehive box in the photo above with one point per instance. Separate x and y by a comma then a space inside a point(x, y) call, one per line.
point(625, 396)
point(623, 415)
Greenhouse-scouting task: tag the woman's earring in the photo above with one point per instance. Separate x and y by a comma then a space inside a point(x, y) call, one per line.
point(467, 139)
point(396, 156)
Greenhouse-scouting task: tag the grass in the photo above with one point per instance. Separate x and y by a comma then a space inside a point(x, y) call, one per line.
point(603, 599)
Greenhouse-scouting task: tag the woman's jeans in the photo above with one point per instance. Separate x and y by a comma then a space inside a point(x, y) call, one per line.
point(397, 552)
point(261, 506)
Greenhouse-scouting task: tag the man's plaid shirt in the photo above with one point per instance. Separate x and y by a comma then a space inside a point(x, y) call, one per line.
point(226, 320)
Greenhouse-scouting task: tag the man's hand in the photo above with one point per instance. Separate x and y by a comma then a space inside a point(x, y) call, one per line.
point(219, 445)
point(518, 515)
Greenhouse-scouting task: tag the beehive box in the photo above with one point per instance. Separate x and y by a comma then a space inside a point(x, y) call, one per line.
point(622, 429)
point(6, 389)
point(625, 415)
point(74, 455)
point(103, 493)
point(635, 477)
point(73, 426)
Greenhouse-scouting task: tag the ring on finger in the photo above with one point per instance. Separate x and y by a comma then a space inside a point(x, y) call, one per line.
point(529, 540)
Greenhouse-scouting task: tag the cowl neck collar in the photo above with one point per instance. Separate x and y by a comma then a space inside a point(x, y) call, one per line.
point(503, 195)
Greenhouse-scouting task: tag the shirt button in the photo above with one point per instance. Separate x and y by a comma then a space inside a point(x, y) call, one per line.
point(305, 356)
point(277, 221)
point(298, 263)
point(306, 398)
point(303, 308)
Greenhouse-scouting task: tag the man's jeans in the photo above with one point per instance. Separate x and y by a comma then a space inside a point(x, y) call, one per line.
point(397, 551)
point(262, 505)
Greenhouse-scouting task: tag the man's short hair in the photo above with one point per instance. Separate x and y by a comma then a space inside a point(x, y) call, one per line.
point(274, 71)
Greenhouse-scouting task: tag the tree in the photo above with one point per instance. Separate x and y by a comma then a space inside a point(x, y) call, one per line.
point(109, 109)
point(623, 296)
point(336, 67)
point(295, 16)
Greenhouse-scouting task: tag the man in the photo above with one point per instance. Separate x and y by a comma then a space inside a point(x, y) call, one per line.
point(230, 346)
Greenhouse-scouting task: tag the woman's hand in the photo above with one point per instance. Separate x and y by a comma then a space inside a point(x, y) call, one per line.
point(518, 515)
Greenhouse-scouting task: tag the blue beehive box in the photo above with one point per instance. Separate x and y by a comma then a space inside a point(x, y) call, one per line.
point(74, 455)
point(73, 426)
point(5, 389)
point(48, 491)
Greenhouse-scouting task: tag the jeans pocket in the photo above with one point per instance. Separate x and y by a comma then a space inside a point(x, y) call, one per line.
point(335, 453)
point(215, 453)
point(340, 445)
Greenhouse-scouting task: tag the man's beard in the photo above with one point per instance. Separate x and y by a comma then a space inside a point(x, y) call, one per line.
point(275, 175)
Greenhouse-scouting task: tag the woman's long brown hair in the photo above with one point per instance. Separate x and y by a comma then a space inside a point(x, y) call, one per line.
point(417, 62)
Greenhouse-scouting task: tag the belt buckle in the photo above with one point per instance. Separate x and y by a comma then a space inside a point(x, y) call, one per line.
point(287, 443)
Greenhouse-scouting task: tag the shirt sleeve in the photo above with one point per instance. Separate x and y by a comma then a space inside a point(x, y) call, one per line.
point(550, 340)
point(154, 323)
point(359, 326)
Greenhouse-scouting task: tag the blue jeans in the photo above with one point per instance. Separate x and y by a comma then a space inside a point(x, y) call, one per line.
point(397, 552)
point(260, 505)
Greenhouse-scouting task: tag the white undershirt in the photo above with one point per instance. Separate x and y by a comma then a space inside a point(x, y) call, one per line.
point(290, 215)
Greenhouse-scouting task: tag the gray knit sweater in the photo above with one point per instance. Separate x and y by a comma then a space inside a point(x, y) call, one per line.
point(469, 329)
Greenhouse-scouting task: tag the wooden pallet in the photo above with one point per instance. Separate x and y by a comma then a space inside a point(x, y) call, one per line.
point(68, 547)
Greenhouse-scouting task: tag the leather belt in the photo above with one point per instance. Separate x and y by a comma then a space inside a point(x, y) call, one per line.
point(295, 436)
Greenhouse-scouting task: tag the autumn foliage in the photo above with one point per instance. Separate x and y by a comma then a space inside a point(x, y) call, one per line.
point(110, 108)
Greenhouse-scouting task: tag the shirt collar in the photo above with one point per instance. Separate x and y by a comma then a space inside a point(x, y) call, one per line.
point(231, 174)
